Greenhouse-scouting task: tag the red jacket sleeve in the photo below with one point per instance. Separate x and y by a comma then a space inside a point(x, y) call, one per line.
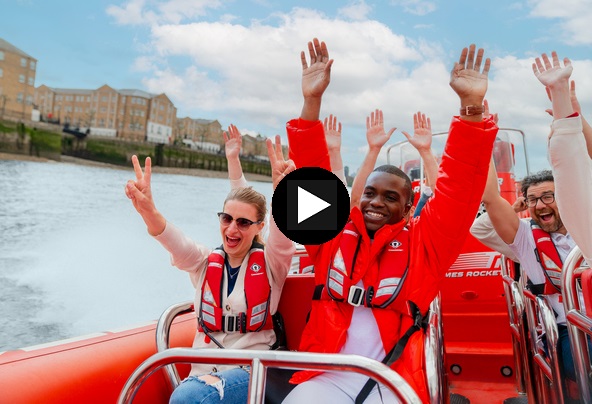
point(308, 147)
point(445, 221)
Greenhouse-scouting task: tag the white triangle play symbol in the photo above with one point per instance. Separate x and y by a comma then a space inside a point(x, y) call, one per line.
point(309, 205)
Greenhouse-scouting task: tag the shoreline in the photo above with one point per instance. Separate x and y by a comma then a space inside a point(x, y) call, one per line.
point(196, 172)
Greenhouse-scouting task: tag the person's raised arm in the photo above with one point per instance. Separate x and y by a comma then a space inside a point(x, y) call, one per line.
point(422, 141)
point(575, 103)
point(470, 83)
point(333, 137)
point(232, 147)
point(140, 193)
point(376, 138)
point(502, 215)
point(571, 164)
point(307, 143)
point(315, 78)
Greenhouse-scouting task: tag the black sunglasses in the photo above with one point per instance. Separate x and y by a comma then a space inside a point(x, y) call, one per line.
point(241, 222)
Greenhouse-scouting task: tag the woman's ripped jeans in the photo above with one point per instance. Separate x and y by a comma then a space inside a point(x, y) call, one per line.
point(232, 386)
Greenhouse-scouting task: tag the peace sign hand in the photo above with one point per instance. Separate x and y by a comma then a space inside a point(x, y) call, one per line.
point(280, 167)
point(140, 193)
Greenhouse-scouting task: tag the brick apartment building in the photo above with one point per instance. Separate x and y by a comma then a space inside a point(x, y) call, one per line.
point(126, 114)
point(17, 82)
point(199, 133)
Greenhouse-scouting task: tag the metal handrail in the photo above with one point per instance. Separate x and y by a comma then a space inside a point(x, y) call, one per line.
point(434, 354)
point(526, 162)
point(578, 325)
point(163, 328)
point(541, 319)
point(260, 361)
point(515, 303)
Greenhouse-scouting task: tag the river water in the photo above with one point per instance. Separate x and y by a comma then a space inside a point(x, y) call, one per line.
point(75, 257)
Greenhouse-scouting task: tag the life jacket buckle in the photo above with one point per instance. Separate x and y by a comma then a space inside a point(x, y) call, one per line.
point(231, 324)
point(356, 295)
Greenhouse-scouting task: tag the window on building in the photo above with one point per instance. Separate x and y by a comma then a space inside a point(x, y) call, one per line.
point(1, 55)
point(19, 98)
point(21, 78)
point(103, 109)
point(30, 81)
point(1, 72)
point(29, 99)
point(101, 123)
point(23, 62)
point(32, 65)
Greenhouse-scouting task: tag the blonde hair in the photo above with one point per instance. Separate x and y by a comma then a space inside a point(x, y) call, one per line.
point(254, 198)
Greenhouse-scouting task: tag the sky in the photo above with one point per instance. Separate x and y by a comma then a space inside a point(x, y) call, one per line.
point(238, 61)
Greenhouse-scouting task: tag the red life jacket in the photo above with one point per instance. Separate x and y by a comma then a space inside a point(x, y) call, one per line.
point(549, 258)
point(257, 295)
point(383, 289)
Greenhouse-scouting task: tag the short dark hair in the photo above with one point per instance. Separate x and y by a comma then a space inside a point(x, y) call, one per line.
point(387, 168)
point(535, 179)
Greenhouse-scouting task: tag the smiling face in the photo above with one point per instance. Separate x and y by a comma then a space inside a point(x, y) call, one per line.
point(546, 216)
point(385, 200)
point(237, 243)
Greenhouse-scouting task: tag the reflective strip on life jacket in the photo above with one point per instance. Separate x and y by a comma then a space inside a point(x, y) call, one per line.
point(392, 269)
point(548, 257)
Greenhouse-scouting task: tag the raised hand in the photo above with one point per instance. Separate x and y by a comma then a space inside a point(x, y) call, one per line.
point(422, 133)
point(333, 133)
point(232, 142)
point(467, 79)
point(552, 74)
point(487, 114)
point(317, 75)
point(375, 134)
point(140, 193)
point(519, 204)
point(280, 167)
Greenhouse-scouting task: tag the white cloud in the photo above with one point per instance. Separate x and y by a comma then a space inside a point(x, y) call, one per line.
point(149, 12)
point(573, 17)
point(358, 10)
point(250, 75)
point(418, 7)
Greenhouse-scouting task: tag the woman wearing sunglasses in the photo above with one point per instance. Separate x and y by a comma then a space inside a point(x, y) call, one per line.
point(226, 278)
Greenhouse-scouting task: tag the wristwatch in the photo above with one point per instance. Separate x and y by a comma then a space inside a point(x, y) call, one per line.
point(472, 110)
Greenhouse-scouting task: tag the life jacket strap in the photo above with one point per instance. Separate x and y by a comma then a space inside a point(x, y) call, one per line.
point(238, 323)
point(419, 323)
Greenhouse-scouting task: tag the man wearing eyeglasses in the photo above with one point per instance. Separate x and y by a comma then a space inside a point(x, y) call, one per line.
point(540, 244)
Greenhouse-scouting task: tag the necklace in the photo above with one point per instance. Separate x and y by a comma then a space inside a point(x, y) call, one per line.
point(231, 269)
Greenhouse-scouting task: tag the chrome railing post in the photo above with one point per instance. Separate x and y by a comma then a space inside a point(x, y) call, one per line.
point(552, 334)
point(578, 325)
point(163, 329)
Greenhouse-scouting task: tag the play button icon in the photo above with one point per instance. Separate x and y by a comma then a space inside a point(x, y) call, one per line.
point(310, 205)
